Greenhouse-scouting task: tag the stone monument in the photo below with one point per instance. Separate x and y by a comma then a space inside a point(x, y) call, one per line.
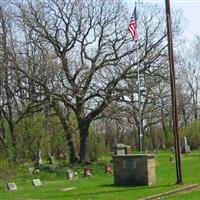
point(138, 169)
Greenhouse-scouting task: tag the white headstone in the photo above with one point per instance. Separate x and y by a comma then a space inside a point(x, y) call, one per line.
point(11, 186)
point(37, 182)
point(52, 160)
point(70, 174)
point(31, 170)
point(185, 143)
point(40, 161)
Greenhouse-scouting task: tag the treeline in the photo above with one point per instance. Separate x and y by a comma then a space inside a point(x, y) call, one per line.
point(68, 78)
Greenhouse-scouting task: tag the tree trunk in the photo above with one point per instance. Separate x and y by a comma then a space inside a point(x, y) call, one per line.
point(14, 142)
point(84, 142)
point(73, 154)
point(184, 116)
point(65, 121)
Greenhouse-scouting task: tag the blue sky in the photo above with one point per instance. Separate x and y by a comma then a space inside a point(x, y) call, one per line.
point(191, 14)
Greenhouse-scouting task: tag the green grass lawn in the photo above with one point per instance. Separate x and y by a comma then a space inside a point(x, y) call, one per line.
point(100, 185)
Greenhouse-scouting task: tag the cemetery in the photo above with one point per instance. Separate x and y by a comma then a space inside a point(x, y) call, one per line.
point(99, 99)
point(101, 185)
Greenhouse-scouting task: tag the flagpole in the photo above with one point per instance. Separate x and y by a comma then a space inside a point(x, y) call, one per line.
point(173, 94)
point(133, 27)
point(139, 84)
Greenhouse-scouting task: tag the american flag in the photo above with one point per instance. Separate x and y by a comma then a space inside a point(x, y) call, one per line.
point(133, 26)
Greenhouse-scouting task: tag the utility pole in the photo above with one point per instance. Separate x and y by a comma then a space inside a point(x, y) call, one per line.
point(173, 94)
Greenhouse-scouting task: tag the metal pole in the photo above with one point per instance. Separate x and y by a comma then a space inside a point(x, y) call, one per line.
point(173, 94)
point(139, 101)
point(139, 92)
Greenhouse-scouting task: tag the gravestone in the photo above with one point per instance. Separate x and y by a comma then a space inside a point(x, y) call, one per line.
point(186, 147)
point(87, 171)
point(164, 147)
point(75, 175)
point(39, 160)
point(172, 148)
point(61, 154)
point(37, 171)
point(37, 182)
point(171, 158)
point(11, 186)
point(52, 167)
point(119, 149)
point(155, 150)
point(31, 170)
point(52, 160)
point(108, 169)
point(70, 175)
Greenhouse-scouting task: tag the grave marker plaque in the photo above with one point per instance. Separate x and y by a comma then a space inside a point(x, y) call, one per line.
point(129, 164)
point(37, 182)
point(11, 186)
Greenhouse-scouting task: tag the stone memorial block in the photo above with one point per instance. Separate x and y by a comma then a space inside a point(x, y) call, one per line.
point(137, 169)
point(11, 186)
point(37, 182)
point(31, 170)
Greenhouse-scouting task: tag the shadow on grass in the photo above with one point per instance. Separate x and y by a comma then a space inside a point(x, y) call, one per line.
point(126, 188)
point(136, 187)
